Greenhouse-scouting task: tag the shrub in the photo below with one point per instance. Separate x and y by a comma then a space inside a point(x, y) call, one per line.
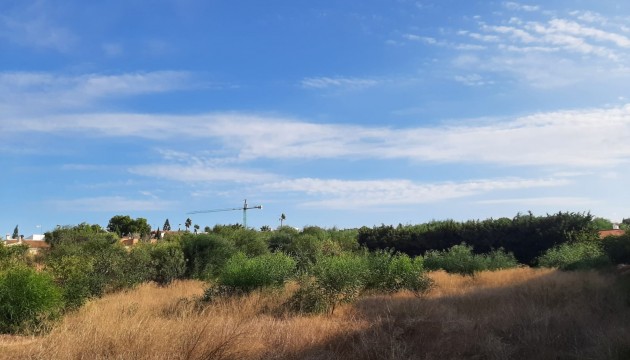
point(167, 262)
point(309, 298)
point(12, 255)
point(340, 279)
point(575, 256)
point(460, 259)
point(206, 254)
point(75, 276)
point(247, 274)
point(28, 299)
point(618, 248)
point(499, 259)
point(389, 272)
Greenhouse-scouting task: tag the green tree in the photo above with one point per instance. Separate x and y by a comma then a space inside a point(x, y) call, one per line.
point(602, 224)
point(196, 228)
point(282, 218)
point(121, 225)
point(188, 224)
point(125, 225)
point(16, 232)
point(167, 226)
point(78, 234)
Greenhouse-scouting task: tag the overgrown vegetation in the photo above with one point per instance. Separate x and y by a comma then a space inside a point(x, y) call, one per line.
point(329, 267)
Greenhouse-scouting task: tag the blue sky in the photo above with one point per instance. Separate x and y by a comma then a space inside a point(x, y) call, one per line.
point(335, 113)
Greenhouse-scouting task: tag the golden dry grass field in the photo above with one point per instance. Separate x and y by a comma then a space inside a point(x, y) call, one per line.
point(512, 314)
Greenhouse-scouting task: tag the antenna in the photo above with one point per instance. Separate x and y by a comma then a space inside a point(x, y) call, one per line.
point(244, 208)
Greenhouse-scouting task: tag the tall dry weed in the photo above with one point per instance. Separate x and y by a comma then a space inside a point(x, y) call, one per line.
point(511, 314)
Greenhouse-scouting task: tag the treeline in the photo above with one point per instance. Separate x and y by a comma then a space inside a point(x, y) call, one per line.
point(526, 236)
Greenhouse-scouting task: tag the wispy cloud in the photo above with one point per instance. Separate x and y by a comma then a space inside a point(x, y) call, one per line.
point(110, 204)
point(355, 194)
point(524, 39)
point(337, 83)
point(46, 92)
point(564, 139)
point(560, 202)
point(201, 173)
point(511, 5)
point(29, 24)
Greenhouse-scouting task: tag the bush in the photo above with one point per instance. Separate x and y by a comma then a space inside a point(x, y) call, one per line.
point(618, 248)
point(167, 262)
point(499, 259)
point(575, 256)
point(28, 299)
point(75, 276)
point(309, 298)
point(248, 274)
point(206, 254)
point(460, 259)
point(12, 255)
point(340, 279)
point(389, 272)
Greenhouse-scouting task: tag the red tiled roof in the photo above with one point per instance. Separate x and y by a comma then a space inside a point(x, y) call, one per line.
point(616, 232)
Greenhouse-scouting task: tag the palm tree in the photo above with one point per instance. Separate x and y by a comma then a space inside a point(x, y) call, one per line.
point(196, 228)
point(282, 218)
point(188, 224)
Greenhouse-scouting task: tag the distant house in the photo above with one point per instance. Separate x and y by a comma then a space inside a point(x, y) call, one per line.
point(613, 232)
point(35, 243)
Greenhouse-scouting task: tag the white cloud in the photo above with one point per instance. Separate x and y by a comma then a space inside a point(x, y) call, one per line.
point(517, 6)
point(585, 47)
point(31, 25)
point(111, 204)
point(354, 194)
point(45, 92)
point(560, 202)
point(201, 173)
point(577, 138)
point(472, 80)
point(337, 82)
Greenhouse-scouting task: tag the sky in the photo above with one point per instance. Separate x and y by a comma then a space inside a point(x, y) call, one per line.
point(335, 113)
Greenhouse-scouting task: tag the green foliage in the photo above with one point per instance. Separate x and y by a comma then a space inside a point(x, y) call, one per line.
point(16, 232)
point(167, 262)
point(618, 248)
point(79, 234)
point(389, 273)
point(460, 259)
point(499, 259)
point(526, 236)
point(602, 224)
point(74, 275)
point(340, 279)
point(124, 225)
point(309, 298)
point(580, 255)
point(28, 299)
point(249, 242)
point(206, 254)
point(247, 274)
point(12, 255)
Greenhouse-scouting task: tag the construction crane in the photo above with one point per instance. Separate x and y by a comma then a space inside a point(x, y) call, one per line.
point(244, 208)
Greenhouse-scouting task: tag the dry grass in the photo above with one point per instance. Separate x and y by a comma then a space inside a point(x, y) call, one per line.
point(511, 314)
